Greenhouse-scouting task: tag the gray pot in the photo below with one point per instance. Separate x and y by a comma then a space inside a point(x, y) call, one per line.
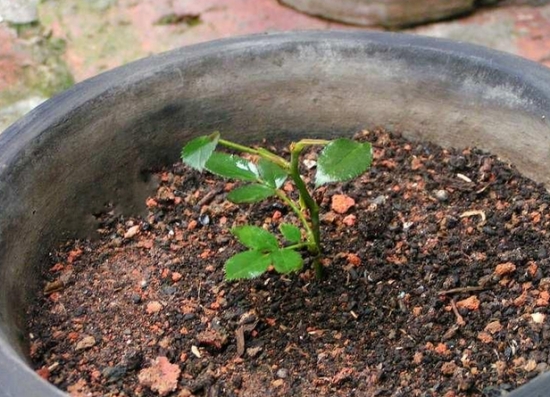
point(92, 143)
point(386, 13)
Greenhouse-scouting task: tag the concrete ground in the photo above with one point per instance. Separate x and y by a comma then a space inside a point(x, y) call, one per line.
point(77, 39)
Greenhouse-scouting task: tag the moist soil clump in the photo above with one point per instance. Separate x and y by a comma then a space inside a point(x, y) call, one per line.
point(437, 284)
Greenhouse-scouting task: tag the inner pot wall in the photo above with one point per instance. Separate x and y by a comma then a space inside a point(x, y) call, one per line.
point(95, 142)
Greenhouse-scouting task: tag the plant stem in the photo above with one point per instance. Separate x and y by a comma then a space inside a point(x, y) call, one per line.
point(282, 195)
point(305, 200)
point(266, 154)
point(312, 241)
point(296, 246)
point(315, 249)
point(311, 142)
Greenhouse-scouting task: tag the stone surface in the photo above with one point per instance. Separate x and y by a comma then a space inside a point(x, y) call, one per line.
point(12, 113)
point(32, 69)
point(18, 11)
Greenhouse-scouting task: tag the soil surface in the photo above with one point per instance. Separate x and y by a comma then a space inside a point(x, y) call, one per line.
point(437, 284)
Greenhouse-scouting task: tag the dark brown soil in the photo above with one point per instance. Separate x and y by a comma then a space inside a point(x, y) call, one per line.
point(436, 286)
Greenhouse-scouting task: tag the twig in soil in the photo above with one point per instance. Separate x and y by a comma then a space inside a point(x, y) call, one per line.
point(407, 335)
point(196, 352)
point(54, 286)
point(461, 290)
point(292, 346)
point(199, 293)
point(483, 188)
point(450, 332)
point(54, 366)
point(464, 178)
point(209, 197)
point(474, 213)
point(239, 336)
point(459, 319)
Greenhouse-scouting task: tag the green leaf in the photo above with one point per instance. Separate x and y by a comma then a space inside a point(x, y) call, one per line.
point(286, 260)
point(231, 166)
point(197, 152)
point(250, 193)
point(255, 238)
point(247, 264)
point(291, 233)
point(342, 160)
point(271, 173)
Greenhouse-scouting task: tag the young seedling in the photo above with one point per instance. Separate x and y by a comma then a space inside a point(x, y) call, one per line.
point(340, 160)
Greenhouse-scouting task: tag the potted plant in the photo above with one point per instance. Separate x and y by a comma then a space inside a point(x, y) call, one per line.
point(92, 143)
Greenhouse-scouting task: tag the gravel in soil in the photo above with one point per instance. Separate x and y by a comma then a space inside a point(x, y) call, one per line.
point(437, 284)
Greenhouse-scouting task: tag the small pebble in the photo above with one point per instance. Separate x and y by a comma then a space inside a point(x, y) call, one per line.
point(353, 274)
point(508, 353)
point(457, 162)
point(310, 163)
point(544, 283)
point(451, 222)
point(204, 220)
point(489, 231)
point(379, 200)
point(136, 298)
point(542, 367)
point(253, 351)
point(80, 311)
point(282, 373)
point(86, 343)
point(176, 276)
point(113, 374)
point(168, 290)
point(442, 195)
point(349, 220)
point(133, 359)
point(222, 239)
point(131, 232)
point(237, 381)
point(518, 205)
point(154, 307)
point(538, 318)
point(341, 203)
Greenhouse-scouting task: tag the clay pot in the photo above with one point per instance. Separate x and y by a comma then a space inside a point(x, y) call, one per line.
point(386, 13)
point(94, 143)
